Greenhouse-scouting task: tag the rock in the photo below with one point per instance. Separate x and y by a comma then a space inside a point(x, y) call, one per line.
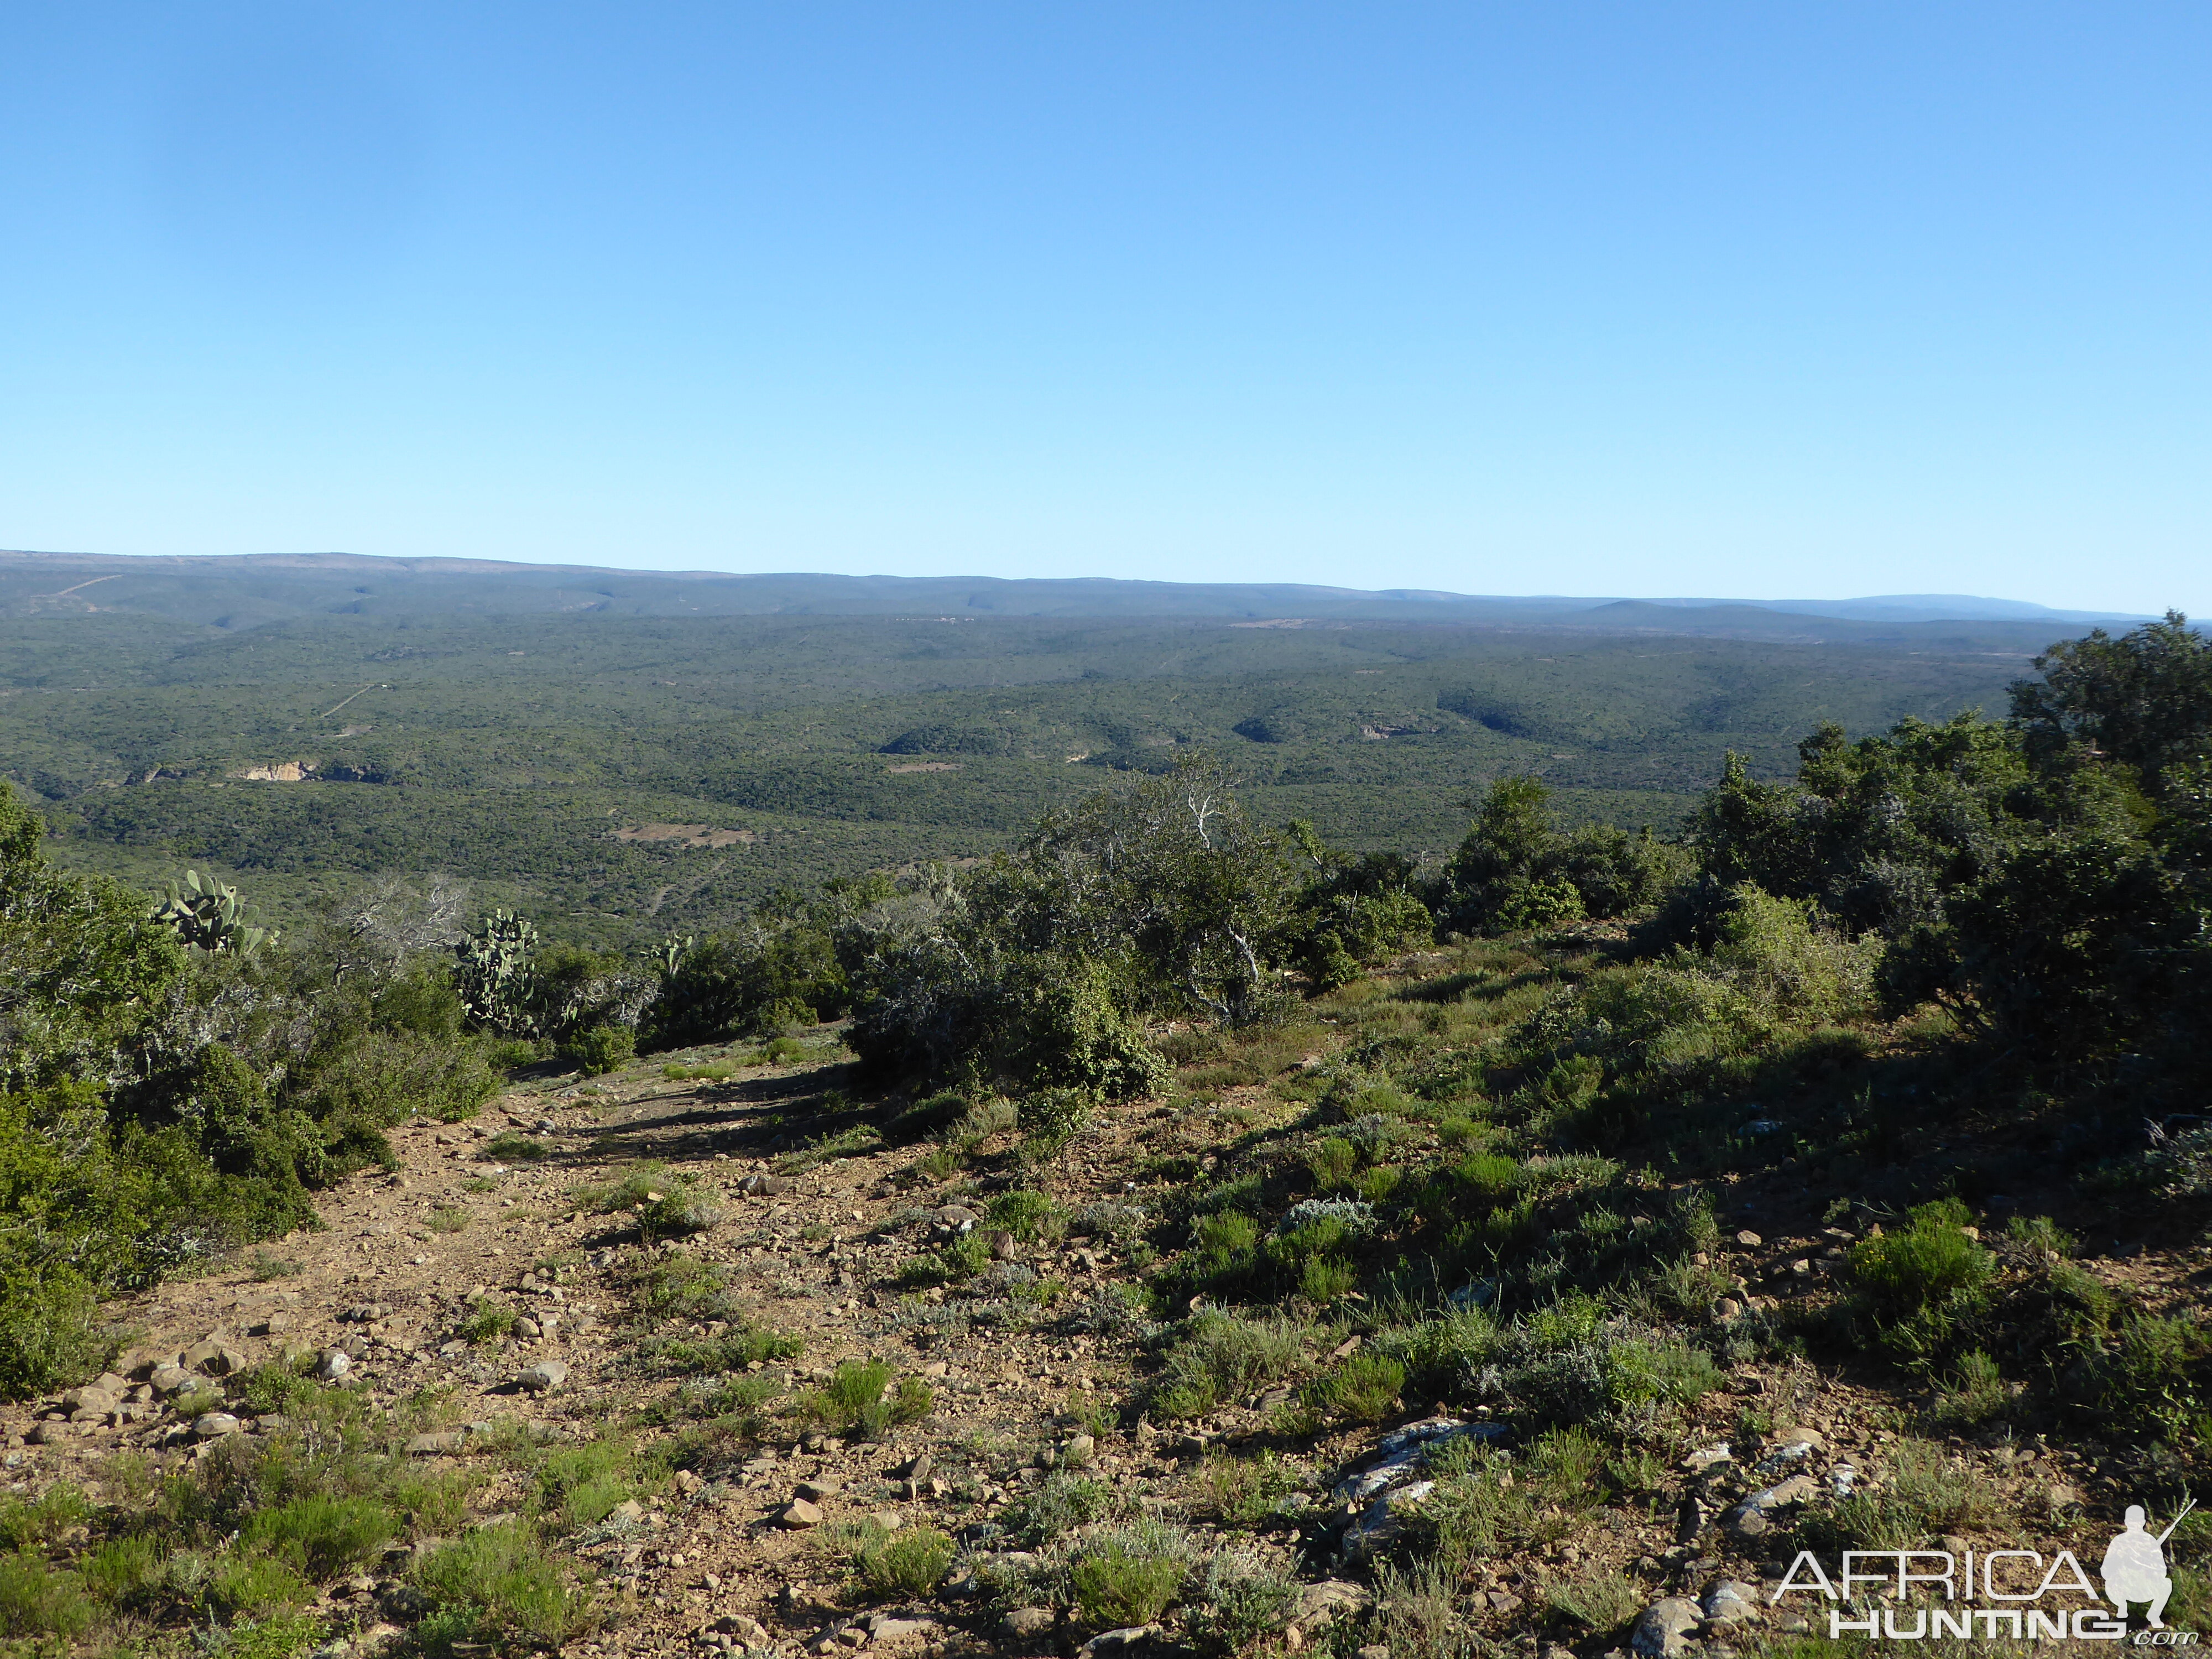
point(888, 1519)
point(1001, 1244)
point(1078, 1452)
point(1329, 1599)
point(889, 1627)
point(1028, 1621)
point(629, 1509)
point(1114, 1642)
point(816, 1490)
point(1754, 1517)
point(1706, 1457)
point(801, 1513)
point(1728, 1308)
point(544, 1376)
point(746, 1628)
point(528, 1330)
point(213, 1425)
point(91, 1397)
point(1749, 1240)
point(917, 1467)
point(334, 1366)
point(45, 1434)
point(1383, 1520)
point(1662, 1629)
point(1731, 1602)
point(213, 1357)
point(170, 1379)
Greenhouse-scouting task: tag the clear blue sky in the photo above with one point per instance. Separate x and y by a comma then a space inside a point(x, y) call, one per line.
point(1777, 300)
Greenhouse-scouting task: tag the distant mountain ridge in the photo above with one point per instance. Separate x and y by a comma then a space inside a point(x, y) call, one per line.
point(231, 591)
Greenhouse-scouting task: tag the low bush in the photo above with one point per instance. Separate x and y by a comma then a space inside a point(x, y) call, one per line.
point(1217, 1356)
point(1239, 1599)
point(1365, 1388)
point(1121, 1585)
point(1601, 1602)
point(861, 1398)
point(1919, 1285)
point(497, 1585)
point(1061, 1504)
point(909, 1562)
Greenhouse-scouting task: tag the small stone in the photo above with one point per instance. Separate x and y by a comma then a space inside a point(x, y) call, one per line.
point(168, 1378)
point(1731, 1602)
point(888, 1519)
point(919, 1466)
point(91, 1397)
point(1329, 1598)
point(213, 1425)
point(799, 1514)
point(1662, 1629)
point(1749, 1240)
point(544, 1376)
point(816, 1490)
point(1078, 1451)
point(334, 1366)
point(884, 1627)
point(1028, 1621)
point(629, 1509)
point(1114, 1642)
point(529, 1329)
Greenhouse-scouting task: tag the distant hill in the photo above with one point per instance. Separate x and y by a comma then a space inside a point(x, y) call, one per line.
point(246, 590)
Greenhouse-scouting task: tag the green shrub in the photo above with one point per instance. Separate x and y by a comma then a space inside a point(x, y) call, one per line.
point(37, 1599)
point(123, 1573)
point(27, 1524)
point(598, 1049)
point(860, 1398)
point(1029, 1217)
point(1918, 1284)
point(320, 1536)
point(1601, 1602)
point(251, 1584)
point(448, 1218)
point(1220, 1355)
point(1116, 1587)
point(1224, 1244)
point(512, 1148)
point(1365, 1388)
point(910, 1562)
point(581, 1484)
point(488, 1322)
point(1323, 1279)
point(497, 1585)
point(1240, 1598)
point(1242, 1492)
point(1335, 1164)
point(1061, 1504)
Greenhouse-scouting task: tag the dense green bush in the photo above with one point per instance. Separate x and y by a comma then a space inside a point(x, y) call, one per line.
point(1918, 1284)
point(1515, 869)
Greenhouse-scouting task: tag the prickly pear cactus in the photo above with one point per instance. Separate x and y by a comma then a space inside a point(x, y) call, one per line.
point(494, 973)
point(208, 915)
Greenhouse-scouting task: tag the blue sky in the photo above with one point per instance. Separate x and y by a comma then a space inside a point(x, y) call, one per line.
point(1779, 301)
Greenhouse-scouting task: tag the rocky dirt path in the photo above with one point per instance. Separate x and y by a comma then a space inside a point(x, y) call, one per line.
point(383, 1292)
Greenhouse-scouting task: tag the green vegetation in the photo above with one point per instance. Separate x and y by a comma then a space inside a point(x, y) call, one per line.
point(1488, 1131)
point(861, 1397)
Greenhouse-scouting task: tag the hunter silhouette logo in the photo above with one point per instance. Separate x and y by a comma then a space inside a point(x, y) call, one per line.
point(2016, 1594)
point(2135, 1565)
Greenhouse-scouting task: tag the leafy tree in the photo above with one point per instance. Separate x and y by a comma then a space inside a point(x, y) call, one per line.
point(2143, 700)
